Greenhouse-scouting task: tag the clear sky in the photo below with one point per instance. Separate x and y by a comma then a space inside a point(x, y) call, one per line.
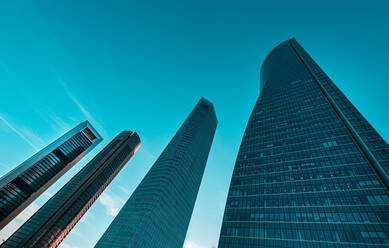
point(143, 65)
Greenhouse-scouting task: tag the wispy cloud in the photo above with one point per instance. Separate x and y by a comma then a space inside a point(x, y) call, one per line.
point(41, 110)
point(32, 136)
point(4, 169)
point(4, 166)
point(57, 122)
point(18, 132)
point(111, 203)
point(81, 107)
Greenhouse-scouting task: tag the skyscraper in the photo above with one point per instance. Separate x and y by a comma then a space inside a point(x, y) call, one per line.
point(311, 171)
point(158, 213)
point(25, 183)
point(54, 220)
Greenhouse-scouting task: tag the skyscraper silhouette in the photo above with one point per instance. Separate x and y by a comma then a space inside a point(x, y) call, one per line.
point(311, 171)
point(54, 220)
point(29, 180)
point(158, 212)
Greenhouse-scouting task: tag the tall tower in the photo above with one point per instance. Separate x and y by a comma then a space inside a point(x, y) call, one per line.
point(311, 171)
point(158, 213)
point(29, 180)
point(54, 220)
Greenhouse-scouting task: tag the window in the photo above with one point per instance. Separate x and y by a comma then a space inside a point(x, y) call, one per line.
point(330, 143)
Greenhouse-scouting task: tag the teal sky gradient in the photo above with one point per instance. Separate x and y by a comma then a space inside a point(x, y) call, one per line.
point(143, 65)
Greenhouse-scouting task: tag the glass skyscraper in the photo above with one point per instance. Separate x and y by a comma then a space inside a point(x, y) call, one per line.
point(158, 213)
point(29, 180)
point(311, 171)
point(54, 220)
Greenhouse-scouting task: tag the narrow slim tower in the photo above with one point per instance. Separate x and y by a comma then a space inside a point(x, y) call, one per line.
point(50, 225)
point(29, 180)
point(311, 171)
point(158, 212)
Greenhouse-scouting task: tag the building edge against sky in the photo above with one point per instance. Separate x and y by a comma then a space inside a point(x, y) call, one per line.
point(158, 213)
point(55, 219)
point(22, 185)
point(310, 171)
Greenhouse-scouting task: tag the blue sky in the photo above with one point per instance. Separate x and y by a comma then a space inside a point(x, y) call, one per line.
point(143, 65)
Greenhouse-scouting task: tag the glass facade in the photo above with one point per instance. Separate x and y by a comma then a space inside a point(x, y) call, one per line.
point(54, 220)
point(158, 212)
point(311, 171)
point(26, 182)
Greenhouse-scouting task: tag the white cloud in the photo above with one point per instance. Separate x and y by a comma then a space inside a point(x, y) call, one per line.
point(191, 244)
point(48, 194)
point(8, 230)
point(66, 245)
point(14, 225)
point(111, 203)
point(74, 231)
point(28, 212)
point(87, 216)
point(18, 132)
point(125, 191)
